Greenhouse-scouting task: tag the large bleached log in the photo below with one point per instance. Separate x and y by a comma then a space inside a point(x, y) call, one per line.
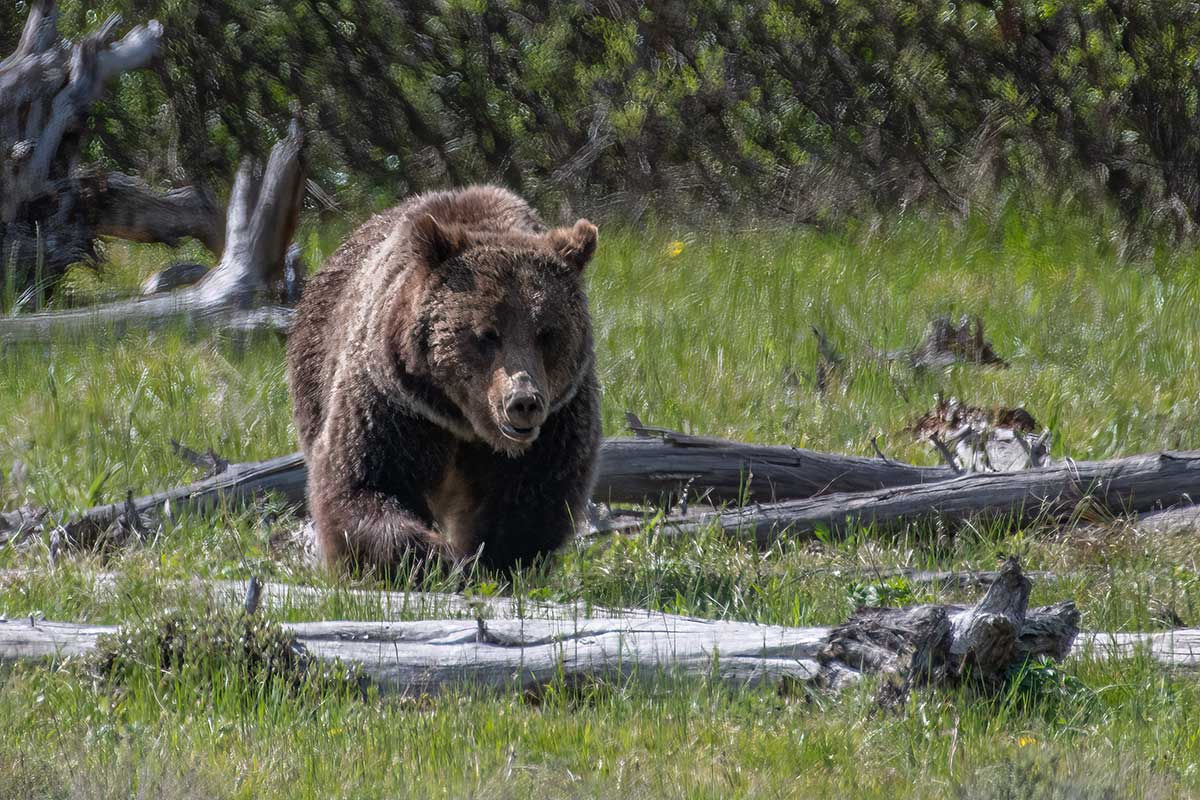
point(424, 656)
point(631, 470)
point(498, 645)
point(261, 220)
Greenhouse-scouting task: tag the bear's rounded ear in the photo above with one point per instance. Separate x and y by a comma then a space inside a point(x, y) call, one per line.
point(436, 242)
point(575, 245)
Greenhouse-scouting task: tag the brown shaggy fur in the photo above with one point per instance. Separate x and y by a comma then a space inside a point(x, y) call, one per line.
point(442, 371)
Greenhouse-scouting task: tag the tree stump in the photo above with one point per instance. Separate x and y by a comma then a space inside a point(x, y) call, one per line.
point(942, 645)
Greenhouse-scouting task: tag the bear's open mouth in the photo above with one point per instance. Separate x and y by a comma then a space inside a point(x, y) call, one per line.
point(523, 435)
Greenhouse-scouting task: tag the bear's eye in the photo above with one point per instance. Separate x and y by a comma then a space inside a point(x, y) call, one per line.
point(487, 340)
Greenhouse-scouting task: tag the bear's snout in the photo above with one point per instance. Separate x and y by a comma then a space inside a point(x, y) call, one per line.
point(524, 409)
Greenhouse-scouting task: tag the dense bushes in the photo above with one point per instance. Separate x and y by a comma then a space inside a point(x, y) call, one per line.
point(810, 109)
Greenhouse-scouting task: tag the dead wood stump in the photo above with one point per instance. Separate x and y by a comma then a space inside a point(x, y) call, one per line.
point(944, 645)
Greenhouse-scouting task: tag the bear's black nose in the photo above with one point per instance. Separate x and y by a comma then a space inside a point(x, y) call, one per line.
point(525, 408)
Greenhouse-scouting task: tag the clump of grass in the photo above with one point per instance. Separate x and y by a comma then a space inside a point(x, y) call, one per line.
point(895, 591)
point(176, 648)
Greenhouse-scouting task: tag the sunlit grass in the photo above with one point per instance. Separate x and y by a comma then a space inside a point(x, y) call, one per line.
point(706, 333)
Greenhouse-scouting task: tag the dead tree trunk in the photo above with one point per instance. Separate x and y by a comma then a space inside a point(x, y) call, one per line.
point(630, 471)
point(262, 217)
point(864, 492)
point(673, 464)
point(51, 208)
point(1134, 484)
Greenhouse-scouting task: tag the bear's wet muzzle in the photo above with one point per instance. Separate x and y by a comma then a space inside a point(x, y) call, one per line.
point(524, 410)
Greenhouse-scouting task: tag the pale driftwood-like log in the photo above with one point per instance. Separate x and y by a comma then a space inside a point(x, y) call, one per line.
point(497, 642)
point(423, 641)
point(262, 217)
point(426, 656)
point(415, 657)
point(1118, 487)
point(630, 471)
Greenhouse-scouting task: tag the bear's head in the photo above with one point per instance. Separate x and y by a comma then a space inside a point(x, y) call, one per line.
point(495, 324)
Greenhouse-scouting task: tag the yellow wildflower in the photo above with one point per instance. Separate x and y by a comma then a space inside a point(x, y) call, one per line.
point(1025, 741)
point(674, 249)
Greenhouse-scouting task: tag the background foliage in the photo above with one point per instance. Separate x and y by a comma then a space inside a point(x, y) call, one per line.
point(808, 110)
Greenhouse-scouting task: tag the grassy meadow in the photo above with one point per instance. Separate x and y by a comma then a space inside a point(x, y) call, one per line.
point(698, 331)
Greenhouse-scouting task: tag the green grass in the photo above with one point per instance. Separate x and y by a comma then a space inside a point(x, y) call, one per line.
point(712, 337)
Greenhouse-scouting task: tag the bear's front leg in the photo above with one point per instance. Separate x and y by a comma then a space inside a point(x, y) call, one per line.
point(367, 485)
point(361, 528)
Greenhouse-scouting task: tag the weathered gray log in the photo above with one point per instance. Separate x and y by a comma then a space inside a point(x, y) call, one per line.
point(936, 644)
point(416, 657)
point(262, 217)
point(1122, 486)
point(630, 471)
point(425, 656)
point(665, 463)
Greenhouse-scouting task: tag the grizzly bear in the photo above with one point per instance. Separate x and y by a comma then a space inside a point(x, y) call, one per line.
point(441, 367)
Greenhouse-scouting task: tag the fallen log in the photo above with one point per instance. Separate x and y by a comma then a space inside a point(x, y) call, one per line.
point(262, 217)
point(1119, 487)
point(426, 656)
point(423, 656)
point(630, 471)
point(718, 470)
point(667, 463)
point(919, 645)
